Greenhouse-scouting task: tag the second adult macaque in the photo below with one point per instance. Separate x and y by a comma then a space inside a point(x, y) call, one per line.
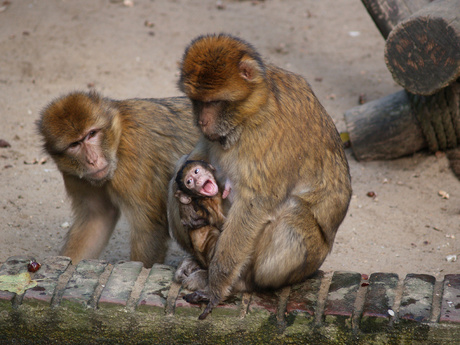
point(117, 156)
point(200, 207)
point(265, 131)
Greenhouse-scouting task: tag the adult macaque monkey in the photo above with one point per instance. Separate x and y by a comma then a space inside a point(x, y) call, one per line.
point(266, 132)
point(117, 156)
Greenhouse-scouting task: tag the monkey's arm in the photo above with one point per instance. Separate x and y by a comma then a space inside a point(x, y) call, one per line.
point(95, 218)
point(232, 251)
point(192, 219)
point(245, 220)
point(227, 189)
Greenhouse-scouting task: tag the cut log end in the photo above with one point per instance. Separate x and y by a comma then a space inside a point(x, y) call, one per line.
point(423, 54)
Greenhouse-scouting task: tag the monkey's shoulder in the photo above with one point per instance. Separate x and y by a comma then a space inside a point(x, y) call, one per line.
point(290, 80)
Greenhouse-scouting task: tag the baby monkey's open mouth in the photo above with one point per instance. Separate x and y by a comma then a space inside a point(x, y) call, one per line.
point(209, 188)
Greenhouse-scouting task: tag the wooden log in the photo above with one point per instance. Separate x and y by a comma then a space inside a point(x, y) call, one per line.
point(386, 14)
point(423, 51)
point(386, 128)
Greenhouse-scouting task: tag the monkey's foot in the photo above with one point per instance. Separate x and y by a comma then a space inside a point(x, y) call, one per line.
point(200, 297)
point(197, 297)
point(185, 269)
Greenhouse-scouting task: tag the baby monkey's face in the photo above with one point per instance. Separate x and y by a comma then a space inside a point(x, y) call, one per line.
point(200, 180)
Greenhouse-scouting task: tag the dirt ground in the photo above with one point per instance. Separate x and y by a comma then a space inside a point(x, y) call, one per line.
point(51, 47)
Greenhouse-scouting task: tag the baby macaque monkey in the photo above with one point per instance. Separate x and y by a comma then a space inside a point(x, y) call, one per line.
point(200, 207)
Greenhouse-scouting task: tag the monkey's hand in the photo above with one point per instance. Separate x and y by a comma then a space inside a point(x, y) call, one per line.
point(227, 189)
point(196, 223)
point(207, 310)
point(191, 218)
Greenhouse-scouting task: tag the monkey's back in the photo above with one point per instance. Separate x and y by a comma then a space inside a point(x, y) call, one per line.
point(157, 132)
point(297, 145)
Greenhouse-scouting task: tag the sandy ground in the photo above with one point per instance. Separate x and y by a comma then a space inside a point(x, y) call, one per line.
point(51, 47)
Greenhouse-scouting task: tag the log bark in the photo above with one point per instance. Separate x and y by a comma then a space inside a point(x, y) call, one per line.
point(386, 14)
point(386, 128)
point(423, 51)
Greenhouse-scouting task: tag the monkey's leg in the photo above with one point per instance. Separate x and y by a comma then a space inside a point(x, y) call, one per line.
point(95, 219)
point(199, 237)
point(149, 238)
point(191, 275)
point(291, 247)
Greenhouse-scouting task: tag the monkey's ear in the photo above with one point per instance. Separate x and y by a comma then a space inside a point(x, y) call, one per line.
point(250, 69)
point(211, 167)
point(183, 198)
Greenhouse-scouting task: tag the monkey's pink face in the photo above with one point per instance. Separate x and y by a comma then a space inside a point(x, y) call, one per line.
point(201, 181)
point(213, 119)
point(88, 154)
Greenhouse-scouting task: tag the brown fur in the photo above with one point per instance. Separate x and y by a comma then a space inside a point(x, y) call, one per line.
point(267, 133)
point(140, 140)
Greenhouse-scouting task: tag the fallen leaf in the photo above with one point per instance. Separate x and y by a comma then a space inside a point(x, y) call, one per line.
point(451, 258)
point(149, 24)
point(4, 6)
point(18, 283)
point(4, 143)
point(220, 5)
point(345, 137)
point(33, 161)
point(443, 194)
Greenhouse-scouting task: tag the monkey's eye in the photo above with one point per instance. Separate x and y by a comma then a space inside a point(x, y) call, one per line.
point(92, 133)
point(188, 182)
point(73, 145)
point(197, 170)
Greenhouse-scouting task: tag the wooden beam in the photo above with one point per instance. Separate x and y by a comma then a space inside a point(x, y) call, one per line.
point(386, 128)
point(386, 14)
